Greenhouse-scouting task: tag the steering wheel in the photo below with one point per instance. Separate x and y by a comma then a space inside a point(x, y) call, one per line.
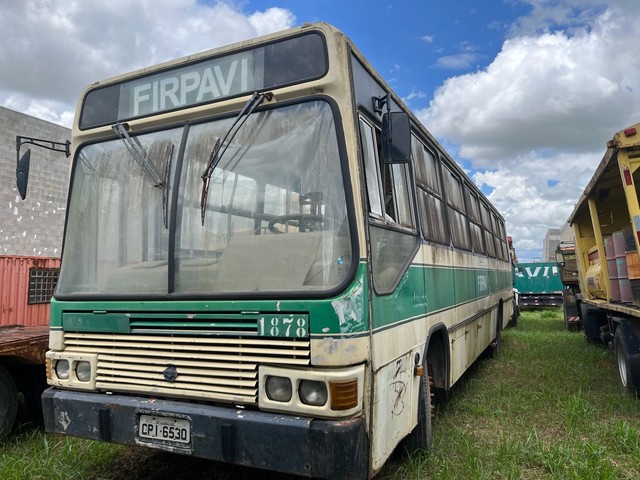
point(306, 222)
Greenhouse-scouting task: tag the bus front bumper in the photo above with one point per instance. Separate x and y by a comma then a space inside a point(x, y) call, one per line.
point(285, 443)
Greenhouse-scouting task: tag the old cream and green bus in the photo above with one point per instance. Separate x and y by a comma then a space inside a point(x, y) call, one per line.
point(267, 261)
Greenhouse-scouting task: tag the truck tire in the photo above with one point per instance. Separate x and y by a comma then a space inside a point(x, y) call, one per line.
point(628, 365)
point(8, 403)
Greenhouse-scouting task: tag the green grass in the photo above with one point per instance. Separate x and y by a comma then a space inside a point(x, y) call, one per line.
point(548, 407)
point(33, 455)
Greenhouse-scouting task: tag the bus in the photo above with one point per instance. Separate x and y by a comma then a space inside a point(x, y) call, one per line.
point(267, 261)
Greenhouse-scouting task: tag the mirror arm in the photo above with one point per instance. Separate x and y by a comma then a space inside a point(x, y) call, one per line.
point(64, 147)
point(380, 102)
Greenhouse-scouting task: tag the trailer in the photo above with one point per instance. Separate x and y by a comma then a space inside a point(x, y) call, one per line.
point(566, 259)
point(26, 286)
point(606, 226)
point(538, 285)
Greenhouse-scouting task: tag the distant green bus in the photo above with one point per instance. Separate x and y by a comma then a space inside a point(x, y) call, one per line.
point(267, 261)
point(538, 285)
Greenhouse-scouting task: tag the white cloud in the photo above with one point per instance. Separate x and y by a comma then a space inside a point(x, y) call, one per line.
point(544, 109)
point(52, 50)
point(271, 20)
point(415, 94)
point(460, 61)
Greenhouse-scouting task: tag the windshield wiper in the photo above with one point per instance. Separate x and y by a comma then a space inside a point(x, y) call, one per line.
point(165, 181)
point(220, 147)
point(138, 153)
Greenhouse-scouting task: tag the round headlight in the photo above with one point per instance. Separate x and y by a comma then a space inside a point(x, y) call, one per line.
point(83, 371)
point(278, 389)
point(62, 369)
point(313, 393)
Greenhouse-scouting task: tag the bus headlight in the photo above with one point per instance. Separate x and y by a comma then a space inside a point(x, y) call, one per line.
point(62, 369)
point(313, 393)
point(72, 370)
point(83, 371)
point(316, 392)
point(278, 389)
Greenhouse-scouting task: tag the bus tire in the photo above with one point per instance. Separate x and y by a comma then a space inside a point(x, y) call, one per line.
point(493, 350)
point(513, 322)
point(8, 403)
point(421, 438)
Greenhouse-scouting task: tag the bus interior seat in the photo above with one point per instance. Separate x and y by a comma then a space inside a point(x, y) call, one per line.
point(254, 262)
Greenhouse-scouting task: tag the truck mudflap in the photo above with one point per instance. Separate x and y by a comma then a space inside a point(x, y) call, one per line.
point(272, 441)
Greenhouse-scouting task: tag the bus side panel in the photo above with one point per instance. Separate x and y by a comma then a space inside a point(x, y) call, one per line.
point(400, 332)
point(394, 411)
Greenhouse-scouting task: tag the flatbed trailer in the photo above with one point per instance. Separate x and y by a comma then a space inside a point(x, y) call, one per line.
point(26, 285)
point(606, 225)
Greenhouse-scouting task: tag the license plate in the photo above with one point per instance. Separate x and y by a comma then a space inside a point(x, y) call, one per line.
point(165, 429)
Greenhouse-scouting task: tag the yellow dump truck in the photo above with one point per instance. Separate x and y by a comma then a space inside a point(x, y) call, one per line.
point(606, 225)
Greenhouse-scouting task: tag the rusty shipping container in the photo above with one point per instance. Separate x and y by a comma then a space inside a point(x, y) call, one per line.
point(26, 286)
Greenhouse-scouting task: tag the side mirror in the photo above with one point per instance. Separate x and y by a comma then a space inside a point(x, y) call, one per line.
point(396, 137)
point(22, 173)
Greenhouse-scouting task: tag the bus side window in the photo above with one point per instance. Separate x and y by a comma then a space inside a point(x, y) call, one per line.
point(430, 199)
point(370, 154)
point(458, 221)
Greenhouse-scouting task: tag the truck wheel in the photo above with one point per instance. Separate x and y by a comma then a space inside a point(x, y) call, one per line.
point(421, 437)
point(8, 403)
point(622, 359)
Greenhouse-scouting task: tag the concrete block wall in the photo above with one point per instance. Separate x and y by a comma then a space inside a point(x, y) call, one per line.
point(33, 226)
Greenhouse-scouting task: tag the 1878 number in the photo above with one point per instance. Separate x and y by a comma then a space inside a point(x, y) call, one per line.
point(288, 326)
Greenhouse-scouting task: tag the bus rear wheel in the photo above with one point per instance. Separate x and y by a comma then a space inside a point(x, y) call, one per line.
point(493, 350)
point(8, 402)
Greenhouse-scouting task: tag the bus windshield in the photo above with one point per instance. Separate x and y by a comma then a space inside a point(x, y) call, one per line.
point(276, 211)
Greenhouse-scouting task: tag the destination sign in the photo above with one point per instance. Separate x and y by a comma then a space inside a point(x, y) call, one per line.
point(294, 60)
point(192, 85)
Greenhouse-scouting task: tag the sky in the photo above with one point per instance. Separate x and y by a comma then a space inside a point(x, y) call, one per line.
point(524, 94)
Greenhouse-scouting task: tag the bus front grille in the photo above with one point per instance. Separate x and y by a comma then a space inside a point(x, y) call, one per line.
point(206, 368)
